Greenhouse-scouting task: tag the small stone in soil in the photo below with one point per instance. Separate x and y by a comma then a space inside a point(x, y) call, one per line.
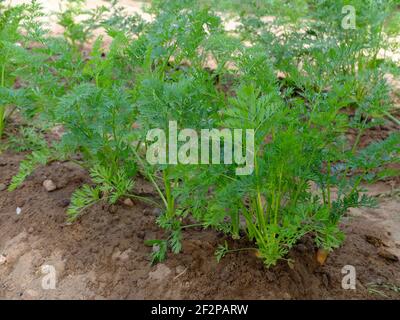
point(49, 185)
point(128, 202)
point(18, 211)
point(3, 259)
point(124, 256)
point(157, 211)
point(2, 187)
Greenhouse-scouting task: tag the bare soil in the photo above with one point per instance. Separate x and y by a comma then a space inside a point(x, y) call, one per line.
point(103, 255)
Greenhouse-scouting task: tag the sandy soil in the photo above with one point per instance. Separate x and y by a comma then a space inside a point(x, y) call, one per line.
point(103, 256)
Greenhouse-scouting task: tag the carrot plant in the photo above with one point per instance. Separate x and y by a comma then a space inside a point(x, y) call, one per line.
point(92, 103)
point(18, 29)
point(98, 115)
point(79, 22)
point(306, 174)
point(300, 81)
point(168, 90)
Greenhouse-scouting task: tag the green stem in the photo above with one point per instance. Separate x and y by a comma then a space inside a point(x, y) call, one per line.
point(240, 249)
point(3, 70)
point(2, 118)
point(278, 200)
point(356, 142)
point(328, 187)
point(168, 194)
point(323, 194)
point(391, 117)
point(360, 133)
point(151, 179)
point(144, 199)
point(259, 206)
point(357, 183)
point(3, 107)
point(97, 80)
point(298, 190)
point(192, 225)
